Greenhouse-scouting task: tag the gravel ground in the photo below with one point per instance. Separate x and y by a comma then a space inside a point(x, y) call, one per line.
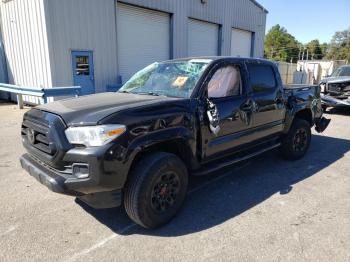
point(265, 209)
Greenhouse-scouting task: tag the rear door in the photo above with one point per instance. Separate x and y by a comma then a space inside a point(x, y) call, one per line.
point(267, 95)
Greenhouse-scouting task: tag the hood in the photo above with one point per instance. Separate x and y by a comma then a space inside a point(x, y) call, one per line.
point(89, 110)
point(335, 79)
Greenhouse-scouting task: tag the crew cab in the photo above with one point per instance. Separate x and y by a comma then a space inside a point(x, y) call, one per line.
point(137, 147)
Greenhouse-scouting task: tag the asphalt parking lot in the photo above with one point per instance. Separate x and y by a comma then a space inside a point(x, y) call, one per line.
point(265, 209)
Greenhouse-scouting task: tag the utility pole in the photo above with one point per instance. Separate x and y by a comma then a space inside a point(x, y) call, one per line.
point(307, 54)
point(302, 57)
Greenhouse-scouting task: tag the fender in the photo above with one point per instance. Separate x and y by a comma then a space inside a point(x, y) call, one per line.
point(312, 106)
point(179, 134)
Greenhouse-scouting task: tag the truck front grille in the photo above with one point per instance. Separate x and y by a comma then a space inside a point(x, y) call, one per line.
point(339, 88)
point(37, 136)
point(43, 137)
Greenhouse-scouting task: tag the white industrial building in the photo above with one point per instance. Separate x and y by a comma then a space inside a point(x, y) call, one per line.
point(95, 43)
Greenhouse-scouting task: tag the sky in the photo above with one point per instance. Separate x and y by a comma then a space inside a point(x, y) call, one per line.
point(308, 19)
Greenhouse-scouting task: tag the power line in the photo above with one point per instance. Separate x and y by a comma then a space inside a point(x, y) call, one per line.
point(284, 48)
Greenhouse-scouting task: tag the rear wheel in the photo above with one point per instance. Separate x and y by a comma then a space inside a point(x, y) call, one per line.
point(156, 189)
point(296, 143)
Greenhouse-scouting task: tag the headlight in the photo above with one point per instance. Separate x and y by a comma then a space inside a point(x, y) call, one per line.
point(94, 135)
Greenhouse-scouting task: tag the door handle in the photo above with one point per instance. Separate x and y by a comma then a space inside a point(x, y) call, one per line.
point(246, 111)
point(279, 98)
point(247, 106)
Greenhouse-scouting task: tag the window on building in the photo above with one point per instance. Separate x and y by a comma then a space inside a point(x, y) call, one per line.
point(82, 65)
point(225, 82)
point(262, 78)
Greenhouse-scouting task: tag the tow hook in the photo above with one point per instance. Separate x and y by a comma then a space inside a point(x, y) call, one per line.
point(322, 124)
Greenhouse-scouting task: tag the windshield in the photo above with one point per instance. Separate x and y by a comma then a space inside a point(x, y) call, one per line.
point(175, 78)
point(342, 71)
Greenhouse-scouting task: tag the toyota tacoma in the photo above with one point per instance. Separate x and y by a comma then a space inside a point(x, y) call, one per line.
point(137, 147)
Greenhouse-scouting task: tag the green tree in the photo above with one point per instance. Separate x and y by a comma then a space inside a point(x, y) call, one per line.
point(324, 49)
point(339, 48)
point(315, 51)
point(280, 45)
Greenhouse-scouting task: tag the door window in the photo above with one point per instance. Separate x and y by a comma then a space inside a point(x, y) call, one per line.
point(83, 71)
point(82, 66)
point(262, 78)
point(225, 82)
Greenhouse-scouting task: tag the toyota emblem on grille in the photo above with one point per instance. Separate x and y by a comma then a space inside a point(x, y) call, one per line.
point(31, 136)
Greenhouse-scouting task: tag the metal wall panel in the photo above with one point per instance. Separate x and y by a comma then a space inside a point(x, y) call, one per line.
point(85, 25)
point(3, 67)
point(202, 38)
point(240, 14)
point(25, 42)
point(143, 36)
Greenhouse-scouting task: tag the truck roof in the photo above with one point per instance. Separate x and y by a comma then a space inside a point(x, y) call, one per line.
point(218, 58)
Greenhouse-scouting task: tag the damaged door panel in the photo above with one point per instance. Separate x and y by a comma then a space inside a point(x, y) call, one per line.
point(213, 117)
point(229, 110)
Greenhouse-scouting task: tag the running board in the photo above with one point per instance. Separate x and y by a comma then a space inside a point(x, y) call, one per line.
point(206, 171)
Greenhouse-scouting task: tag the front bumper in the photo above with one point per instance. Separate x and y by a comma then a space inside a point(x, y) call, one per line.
point(330, 101)
point(66, 184)
point(51, 179)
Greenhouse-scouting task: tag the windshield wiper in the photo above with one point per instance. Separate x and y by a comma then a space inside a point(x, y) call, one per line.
point(149, 93)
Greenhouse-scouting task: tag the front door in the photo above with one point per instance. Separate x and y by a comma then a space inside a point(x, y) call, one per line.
point(83, 71)
point(226, 90)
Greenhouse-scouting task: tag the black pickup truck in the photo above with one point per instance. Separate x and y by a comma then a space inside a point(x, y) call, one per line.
point(192, 116)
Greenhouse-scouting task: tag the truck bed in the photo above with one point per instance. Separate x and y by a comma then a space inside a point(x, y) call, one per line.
point(302, 90)
point(298, 86)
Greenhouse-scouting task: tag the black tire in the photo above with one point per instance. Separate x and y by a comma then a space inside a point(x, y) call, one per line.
point(156, 189)
point(296, 143)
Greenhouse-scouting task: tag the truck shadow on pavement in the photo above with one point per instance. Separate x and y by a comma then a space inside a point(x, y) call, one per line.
point(217, 198)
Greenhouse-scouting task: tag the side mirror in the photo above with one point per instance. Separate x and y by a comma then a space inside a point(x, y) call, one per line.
point(213, 117)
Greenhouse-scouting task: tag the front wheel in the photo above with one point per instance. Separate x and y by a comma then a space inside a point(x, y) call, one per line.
point(296, 143)
point(156, 189)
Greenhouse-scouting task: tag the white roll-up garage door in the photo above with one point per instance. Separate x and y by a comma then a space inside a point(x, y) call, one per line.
point(241, 43)
point(143, 37)
point(203, 38)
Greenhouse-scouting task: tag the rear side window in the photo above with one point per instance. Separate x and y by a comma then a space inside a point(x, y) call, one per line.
point(262, 78)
